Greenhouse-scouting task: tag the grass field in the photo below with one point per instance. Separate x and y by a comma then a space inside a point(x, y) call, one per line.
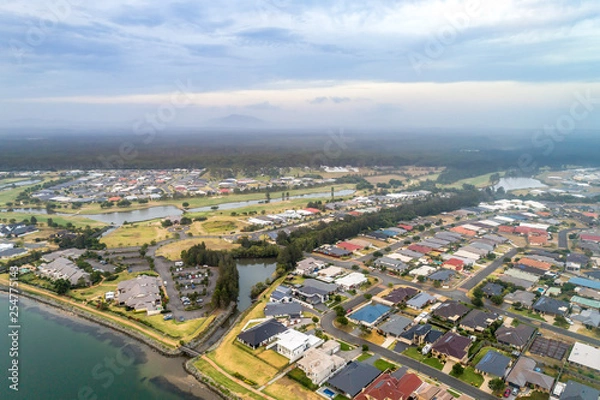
point(470, 376)
point(477, 181)
point(221, 379)
point(172, 251)
point(234, 357)
point(135, 235)
point(79, 222)
point(384, 178)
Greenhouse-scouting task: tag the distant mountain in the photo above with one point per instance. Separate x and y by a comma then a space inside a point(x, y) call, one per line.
point(237, 121)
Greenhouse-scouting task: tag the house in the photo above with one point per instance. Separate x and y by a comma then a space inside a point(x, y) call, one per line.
point(522, 297)
point(429, 391)
point(493, 363)
point(517, 336)
point(442, 275)
point(530, 262)
point(451, 310)
point(352, 379)
point(141, 294)
point(585, 303)
point(281, 294)
point(290, 310)
point(588, 283)
point(400, 295)
point(585, 355)
point(395, 325)
point(328, 274)
point(454, 263)
point(63, 268)
point(318, 365)
point(390, 263)
point(548, 305)
point(421, 301)
point(351, 247)
point(292, 344)
point(352, 280)
point(589, 318)
point(261, 334)
point(452, 346)
point(577, 391)
point(524, 374)
point(420, 335)
point(388, 386)
point(308, 266)
point(313, 291)
point(492, 289)
point(477, 320)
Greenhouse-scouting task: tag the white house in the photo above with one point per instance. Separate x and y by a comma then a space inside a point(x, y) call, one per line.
point(352, 280)
point(292, 344)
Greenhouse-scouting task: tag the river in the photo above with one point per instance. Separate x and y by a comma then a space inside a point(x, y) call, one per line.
point(119, 217)
point(63, 357)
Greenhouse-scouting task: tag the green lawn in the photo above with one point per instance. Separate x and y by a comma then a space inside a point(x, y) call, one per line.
point(470, 376)
point(364, 356)
point(79, 222)
point(433, 362)
point(384, 365)
point(344, 346)
point(528, 313)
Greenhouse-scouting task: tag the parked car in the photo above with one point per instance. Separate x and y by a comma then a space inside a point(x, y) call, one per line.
point(168, 317)
point(507, 393)
point(515, 391)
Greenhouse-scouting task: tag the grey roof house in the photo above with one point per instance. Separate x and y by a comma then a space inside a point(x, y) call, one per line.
point(354, 378)
point(577, 391)
point(477, 320)
point(261, 334)
point(493, 363)
point(548, 305)
point(514, 336)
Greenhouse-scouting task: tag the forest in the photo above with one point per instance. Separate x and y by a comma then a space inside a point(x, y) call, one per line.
point(463, 155)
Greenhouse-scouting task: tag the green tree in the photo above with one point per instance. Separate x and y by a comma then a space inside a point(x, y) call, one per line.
point(62, 286)
point(496, 384)
point(497, 299)
point(457, 369)
point(185, 204)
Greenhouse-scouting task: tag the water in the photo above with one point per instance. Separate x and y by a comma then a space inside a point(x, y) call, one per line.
point(119, 217)
point(63, 357)
point(17, 184)
point(251, 272)
point(518, 183)
point(240, 204)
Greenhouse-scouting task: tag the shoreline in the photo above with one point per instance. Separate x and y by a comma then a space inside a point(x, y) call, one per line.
point(151, 343)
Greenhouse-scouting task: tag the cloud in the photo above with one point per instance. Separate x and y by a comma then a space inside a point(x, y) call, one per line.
point(265, 105)
point(118, 50)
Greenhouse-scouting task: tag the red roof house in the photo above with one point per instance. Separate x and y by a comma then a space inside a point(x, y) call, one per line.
point(454, 263)
point(405, 227)
point(419, 249)
point(387, 387)
point(348, 246)
point(506, 229)
point(590, 238)
point(313, 210)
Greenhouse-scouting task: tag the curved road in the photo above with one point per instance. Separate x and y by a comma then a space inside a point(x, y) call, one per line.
point(327, 325)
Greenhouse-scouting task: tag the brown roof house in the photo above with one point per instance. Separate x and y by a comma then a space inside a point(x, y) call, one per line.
point(452, 346)
point(451, 311)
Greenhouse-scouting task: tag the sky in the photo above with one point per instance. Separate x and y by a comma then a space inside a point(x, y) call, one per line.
point(471, 64)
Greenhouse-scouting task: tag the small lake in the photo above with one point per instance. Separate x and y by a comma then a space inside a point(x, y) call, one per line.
point(116, 217)
point(240, 204)
point(518, 184)
point(119, 217)
point(17, 184)
point(251, 272)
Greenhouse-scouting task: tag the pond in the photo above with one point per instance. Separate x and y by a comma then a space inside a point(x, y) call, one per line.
point(240, 204)
point(518, 184)
point(251, 272)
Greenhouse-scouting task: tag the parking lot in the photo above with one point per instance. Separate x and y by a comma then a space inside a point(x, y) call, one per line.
point(182, 283)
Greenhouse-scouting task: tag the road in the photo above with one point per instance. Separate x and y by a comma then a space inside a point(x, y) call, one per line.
point(563, 238)
point(481, 275)
point(327, 325)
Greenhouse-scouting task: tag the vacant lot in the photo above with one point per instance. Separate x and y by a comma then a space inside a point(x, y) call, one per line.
point(384, 178)
point(234, 357)
point(135, 235)
point(286, 389)
point(172, 251)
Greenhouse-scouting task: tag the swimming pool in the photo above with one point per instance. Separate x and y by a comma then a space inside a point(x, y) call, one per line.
point(329, 393)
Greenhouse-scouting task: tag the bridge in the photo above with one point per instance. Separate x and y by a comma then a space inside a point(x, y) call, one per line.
point(189, 351)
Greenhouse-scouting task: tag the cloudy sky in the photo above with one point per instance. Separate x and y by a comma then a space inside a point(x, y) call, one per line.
point(406, 63)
